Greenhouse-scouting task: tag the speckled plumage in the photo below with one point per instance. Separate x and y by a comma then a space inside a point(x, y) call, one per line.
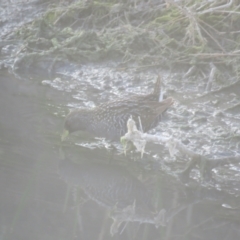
point(109, 120)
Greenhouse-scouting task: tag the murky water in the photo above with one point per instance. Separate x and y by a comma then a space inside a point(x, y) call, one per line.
point(37, 199)
point(87, 188)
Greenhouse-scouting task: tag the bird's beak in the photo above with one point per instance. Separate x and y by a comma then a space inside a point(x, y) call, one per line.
point(64, 135)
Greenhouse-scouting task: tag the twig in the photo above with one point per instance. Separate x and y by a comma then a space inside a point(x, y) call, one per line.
point(140, 124)
point(216, 8)
point(190, 71)
point(213, 38)
point(211, 78)
point(216, 54)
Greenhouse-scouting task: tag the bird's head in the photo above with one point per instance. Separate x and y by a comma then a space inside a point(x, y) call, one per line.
point(77, 120)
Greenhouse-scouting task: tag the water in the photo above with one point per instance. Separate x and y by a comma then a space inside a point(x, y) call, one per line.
point(36, 201)
point(42, 198)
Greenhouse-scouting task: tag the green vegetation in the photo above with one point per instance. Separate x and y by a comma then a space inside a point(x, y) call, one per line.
point(139, 32)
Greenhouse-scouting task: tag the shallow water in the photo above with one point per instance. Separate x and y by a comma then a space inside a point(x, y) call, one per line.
point(35, 199)
point(75, 189)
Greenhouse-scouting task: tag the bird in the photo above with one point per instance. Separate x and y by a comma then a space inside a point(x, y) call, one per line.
point(109, 120)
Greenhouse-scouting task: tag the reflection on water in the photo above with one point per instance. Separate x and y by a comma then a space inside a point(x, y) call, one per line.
point(115, 188)
point(33, 197)
point(189, 210)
